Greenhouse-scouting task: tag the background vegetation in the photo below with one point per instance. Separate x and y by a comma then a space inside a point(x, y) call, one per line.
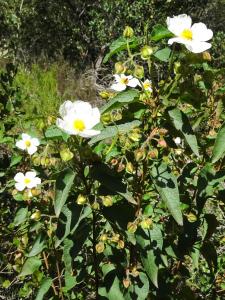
point(52, 51)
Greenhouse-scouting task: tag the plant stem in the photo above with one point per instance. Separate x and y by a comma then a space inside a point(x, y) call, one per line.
point(95, 263)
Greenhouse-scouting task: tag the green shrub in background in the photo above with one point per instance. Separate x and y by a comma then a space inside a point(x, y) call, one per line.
point(135, 212)
point(80, 30)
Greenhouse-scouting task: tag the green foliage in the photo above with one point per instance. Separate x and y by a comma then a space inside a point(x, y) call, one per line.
point(133, 212)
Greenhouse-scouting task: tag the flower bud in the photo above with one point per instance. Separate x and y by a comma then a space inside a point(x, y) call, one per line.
point(107, 201)
point(131, 227)
point(36, 215)
point(106, 118)
point(119, 67)
point(146, 52)
point(128, 32)
point(37, 161)
point(129, 168)
point(103, 238)
point(139, 71)
point(152, 154)
point(114, 162)
point(163, 131)
point(95, 206)
point(146, 223)
point(120, 244)
point(100, 247)
point(126, 283)
point(134, 272)
point(191, 217)
point(115, 238)
point(35, 192)
point(139, 154)
point(104, 94)
point(206, 56)
point(66, 154)
point(42, 161)
point(162, 143)
point(81, 199)
point(177, 66)
point(135, 135)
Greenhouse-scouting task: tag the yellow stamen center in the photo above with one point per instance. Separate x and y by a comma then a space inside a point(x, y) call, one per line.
point(187, 34)
point(146, 85)
point(27, 180)
point(78, 125)
point(124, 80)
point(27, 143)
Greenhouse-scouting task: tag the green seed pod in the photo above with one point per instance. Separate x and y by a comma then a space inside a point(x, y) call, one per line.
point(106, 118)
point(139, 154)
point(191, 217)
point(139, 71)
point(131, 227)
point(103, 237)
point(104, 94)
point(37, 161)
point(128, 32)
point(146, 52)
point(95, 206)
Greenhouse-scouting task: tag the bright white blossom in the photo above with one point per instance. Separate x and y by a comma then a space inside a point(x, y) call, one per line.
point(122, 81)
point(177, 140)
point(78, 118)
point(147, 85)
point(194, 37)
point(29, 180)
point(28, 143)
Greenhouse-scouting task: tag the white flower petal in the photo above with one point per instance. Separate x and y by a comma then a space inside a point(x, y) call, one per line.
point(65, 107)
point(93, 119)
point(82, 107)
point(118, 87)
point(30, 175)
point(201, 33)
point(117, 77)
point(32, 149)
point(21, 145)
point(198, 47)
point(89, 133)
point(133, 82)
point(20, 186)
point(178, 23)
point(37, 180)
point(26, 136)
point(35, 141)
point(19, 177)
point(177, 40)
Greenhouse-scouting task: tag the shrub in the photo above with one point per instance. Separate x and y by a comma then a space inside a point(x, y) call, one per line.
point(131, 207)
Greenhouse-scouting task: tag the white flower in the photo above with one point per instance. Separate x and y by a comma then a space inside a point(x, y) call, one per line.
point(29, 180)
point(28, 143)
point(194, 37)
point(122, 81)
point(177, 140)
point(78, 118)
point(147, 85)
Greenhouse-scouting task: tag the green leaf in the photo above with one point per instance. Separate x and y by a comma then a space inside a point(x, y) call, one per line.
point(181, 123)
point(68, 244)
point(120, 100)
point(151, 242)
point(70, 281)
point(63, 185)
point(15, 160)
point(140, 287)
point(21, 216)
point(119, 45)
point(111, 131)
point(31, 265)
point(160, 32)
point(55, 132)
point(111, 181)
point(45, 286)
point(166, 184)
point(163, 54)
point(38, 246)
point(219, 146)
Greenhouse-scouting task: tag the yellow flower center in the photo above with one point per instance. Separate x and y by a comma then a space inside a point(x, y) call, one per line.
point(187, 34)
point(27, 143)
point(27, 180)
point(78, 125)
point(124, 80)
point(146, 85)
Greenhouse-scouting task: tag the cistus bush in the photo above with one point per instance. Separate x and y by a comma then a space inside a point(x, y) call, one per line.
point(124, 201)
point(80, 30)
